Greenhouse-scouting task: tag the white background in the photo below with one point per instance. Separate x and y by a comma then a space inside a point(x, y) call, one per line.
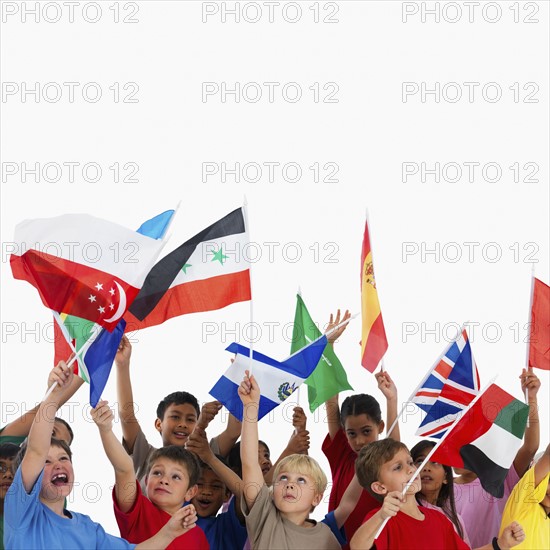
point(369, 133)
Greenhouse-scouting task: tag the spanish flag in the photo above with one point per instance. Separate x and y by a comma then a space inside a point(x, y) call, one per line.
point(373, 342)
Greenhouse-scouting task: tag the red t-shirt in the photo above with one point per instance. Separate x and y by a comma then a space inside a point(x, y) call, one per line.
point(433, 533)
point(341, 458)
point(144, 520)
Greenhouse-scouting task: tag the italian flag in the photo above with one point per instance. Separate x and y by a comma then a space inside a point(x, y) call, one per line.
point(82, 265)
point(209, 271)
point(373, 339)
point(486, 439)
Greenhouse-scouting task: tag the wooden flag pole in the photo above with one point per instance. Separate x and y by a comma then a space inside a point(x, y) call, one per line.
point(529, 331)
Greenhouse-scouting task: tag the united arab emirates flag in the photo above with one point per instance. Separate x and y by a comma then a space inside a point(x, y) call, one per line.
point(329, 377)
point(486, 439)
point(82, 265)
point(209, 271)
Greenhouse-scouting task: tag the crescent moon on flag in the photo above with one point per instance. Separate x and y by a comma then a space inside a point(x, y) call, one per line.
point(121, 306)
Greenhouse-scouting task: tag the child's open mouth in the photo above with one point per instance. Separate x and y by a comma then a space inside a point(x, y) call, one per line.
point(60, 479)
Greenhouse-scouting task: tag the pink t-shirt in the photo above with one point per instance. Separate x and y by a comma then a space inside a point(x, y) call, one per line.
point(480, 511)
point(426, 504)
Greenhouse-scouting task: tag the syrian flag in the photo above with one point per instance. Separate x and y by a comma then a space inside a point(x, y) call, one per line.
point(82, 265)
point(209, 271)
point(486, 439)
point(277, 380)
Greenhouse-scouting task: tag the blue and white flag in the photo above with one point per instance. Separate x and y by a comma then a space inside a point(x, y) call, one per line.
point(277, 380)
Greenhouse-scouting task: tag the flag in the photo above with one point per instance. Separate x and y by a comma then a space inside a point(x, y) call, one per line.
point(209, 271)
point(329, 377)
point(277, 380)
point(539, 341)
point(82, 265)
point(100, 347)
point(373, 340)
point(72, 333)
point(448, 389)
point(486, 439)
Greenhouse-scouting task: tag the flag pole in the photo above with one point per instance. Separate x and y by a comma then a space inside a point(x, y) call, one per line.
point(430, 370)
point(529, 315)
point(251, 344)
point(170, 222)
point(84, 348)
point(429, 455)
point(298, 390)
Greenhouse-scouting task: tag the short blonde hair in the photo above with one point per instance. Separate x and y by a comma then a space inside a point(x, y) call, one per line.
point(303, 464)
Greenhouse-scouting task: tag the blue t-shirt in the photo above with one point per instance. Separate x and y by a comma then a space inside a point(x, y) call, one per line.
point(29, 524)
point(340, 534)
point(224, 531)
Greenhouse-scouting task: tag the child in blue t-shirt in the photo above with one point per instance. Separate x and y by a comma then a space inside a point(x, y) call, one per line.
point(35, 514)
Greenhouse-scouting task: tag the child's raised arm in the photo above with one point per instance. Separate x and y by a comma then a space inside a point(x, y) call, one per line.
point(40, 434)
point(128, 420)
point(198, 444)
point(531, 440)
point(389, 389)
point(331, 405)
point(229, 436)
point(21, 426)
point(249, 392)
point(125, 479)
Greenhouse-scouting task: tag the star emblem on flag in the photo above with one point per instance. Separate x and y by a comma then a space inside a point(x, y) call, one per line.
point(219, 256)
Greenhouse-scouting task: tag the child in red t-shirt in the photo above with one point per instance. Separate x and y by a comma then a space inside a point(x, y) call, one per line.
point(384, 468)
point(357, 424)
point(171, 480)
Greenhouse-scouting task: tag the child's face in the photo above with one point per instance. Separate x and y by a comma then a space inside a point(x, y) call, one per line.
point(396, 473)
point(178, 422)
point(264, 459)
point(432, 476)
point(211, 494)
point(58, 479)
point(361, 430)
point(168, 485)
point(295, 493)
point(6, 475)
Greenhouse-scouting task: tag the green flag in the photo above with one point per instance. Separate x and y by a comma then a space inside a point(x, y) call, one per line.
point(329, 377)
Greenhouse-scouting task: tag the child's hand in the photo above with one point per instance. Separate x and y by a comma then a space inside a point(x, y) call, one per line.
point(511, 536)
point(122, 357)
point(198, 444)
point(183, 520)
point(335, 322)
point(386, 385)
point(299, 443)
point(103, 416)
point(530, 382)
point(249, 391)
point(62, 375)
point(299, 419)
point(393, 502)
point(208, 412)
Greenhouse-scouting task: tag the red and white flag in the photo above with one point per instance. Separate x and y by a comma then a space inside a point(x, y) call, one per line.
point(82, 265)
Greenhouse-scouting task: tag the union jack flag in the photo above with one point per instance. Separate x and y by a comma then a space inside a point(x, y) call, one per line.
point(448, 388)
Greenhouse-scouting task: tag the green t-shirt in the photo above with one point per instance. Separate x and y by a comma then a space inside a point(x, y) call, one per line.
point(16, 439)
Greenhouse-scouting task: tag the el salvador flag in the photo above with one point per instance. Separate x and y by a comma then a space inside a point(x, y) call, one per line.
point(277, 380)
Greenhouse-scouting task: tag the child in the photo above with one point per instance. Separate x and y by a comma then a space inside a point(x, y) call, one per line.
point(530, 504)
point(384, 468)
point(216, 484)
point(481, 512)
point(34, 510)
point(171, 480)
point(359, 423)
point(280, 518)
point(437, 490)
point(8, 452)
point(177, 416)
